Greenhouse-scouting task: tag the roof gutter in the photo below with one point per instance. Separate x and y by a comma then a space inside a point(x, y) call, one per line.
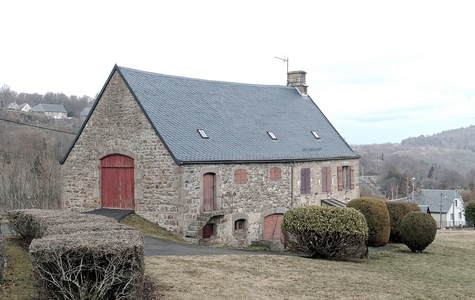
point(191, 162)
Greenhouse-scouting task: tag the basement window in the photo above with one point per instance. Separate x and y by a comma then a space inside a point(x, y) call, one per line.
point(240, 225)
point(203, 134)
point(272, 135)
point(315, 134)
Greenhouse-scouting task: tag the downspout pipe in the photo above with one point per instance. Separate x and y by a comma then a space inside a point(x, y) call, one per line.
point(292, 184)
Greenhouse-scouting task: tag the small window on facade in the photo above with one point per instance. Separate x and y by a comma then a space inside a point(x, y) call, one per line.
point(240, 176)
point(272, 135)
point(203, 134)
point(346, 177)
point(275, 174)
point(240, 225)
point(455, 202)
point(315, 135)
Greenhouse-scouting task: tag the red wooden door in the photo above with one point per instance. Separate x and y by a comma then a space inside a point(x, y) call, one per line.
point(272, 230)
point(208, 231)
point(208, 192)
point(117, 177)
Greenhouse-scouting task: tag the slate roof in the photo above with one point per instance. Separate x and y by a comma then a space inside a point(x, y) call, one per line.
point(432, 199)
point(235, 117)
point(85, 111)
point(49, 108)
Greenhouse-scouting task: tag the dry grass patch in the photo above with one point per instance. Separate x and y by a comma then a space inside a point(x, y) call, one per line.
point(445, 270)
point(148, 228)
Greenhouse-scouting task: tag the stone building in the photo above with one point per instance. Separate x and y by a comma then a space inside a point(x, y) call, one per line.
point(55, 111)
point(215, 162)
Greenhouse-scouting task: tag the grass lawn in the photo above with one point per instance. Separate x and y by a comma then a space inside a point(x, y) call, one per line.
point(445, 270)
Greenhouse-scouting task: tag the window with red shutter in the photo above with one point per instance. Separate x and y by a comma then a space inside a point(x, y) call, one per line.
point(305, 181)
point(240, 176)
point(346, 178)
point(275, 174)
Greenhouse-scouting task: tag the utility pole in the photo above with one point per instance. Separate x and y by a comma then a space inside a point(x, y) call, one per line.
point(440, 216)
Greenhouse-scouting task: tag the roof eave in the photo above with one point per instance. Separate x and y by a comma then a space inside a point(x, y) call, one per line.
point(200, 162)
point(63, 160)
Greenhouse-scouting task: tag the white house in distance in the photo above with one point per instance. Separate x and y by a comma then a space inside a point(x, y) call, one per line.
point(55, 111)
point(446, 206)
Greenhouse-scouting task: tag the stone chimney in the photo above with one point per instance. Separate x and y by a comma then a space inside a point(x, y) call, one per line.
point(297, 79)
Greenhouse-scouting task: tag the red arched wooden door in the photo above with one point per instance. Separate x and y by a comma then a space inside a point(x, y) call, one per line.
point(208, 192)
point(272, 230)
point(117, 177)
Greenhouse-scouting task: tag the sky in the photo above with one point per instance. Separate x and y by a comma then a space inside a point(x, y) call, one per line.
point(381, 71)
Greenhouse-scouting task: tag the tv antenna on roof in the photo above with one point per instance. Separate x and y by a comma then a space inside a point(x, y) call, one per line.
point(287, 61)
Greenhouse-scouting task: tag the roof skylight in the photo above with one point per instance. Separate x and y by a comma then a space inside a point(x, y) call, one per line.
point(272, 135)
point(203, 134)
point(315, 134)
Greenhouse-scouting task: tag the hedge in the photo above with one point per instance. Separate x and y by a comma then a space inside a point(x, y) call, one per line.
point(89, 265)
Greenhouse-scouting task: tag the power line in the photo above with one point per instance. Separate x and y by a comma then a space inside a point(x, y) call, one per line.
point(39, 127)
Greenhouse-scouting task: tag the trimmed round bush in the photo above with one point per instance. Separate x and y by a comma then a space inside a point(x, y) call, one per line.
point(397, 211)
point(325, 232)
point(418, 230)
point(377, 218)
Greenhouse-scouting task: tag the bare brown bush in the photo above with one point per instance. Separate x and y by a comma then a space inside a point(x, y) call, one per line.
point(89, 265)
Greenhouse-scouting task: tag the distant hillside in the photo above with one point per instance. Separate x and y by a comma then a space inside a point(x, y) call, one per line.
point(440, 161)
point(460, 139)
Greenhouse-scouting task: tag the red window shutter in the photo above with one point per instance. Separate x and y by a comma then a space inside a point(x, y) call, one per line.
point(275, 174)
point(326, 179)
point(340, 177)
point(240, 176)
point(352, 177)
point(329, 179)
point(237, 177)
point(305, 181)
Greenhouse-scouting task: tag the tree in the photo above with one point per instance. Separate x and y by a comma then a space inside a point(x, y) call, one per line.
point(470, 213)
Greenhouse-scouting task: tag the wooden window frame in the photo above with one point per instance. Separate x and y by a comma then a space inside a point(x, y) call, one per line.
point(346, 177)
point(275, 174)
point(240, 176)
point(240, 225)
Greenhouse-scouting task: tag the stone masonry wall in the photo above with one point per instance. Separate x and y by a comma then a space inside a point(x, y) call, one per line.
point(172, 195)
point(118, 126)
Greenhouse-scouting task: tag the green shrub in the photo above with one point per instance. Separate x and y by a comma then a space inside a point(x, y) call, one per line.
point(377, 218)
point(397, 211)
point(470, 213)
point(418, 230)
point(325, 232)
